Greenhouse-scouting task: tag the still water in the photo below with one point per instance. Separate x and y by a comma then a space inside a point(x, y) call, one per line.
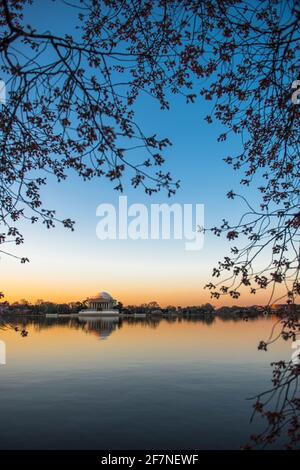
point(165, 384)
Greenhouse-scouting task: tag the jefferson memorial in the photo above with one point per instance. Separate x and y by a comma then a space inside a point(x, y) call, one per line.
point(102, 305)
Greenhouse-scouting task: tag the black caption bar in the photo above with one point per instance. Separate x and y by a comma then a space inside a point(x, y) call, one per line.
point(137, 459)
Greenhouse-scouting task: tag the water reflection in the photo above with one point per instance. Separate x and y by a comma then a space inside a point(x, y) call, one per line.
point(104, 326)
point(161, 383)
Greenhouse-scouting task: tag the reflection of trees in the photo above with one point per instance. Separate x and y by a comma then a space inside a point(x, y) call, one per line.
point(206, 319)
point(104, 327)
point(100, 327)
point(279, 406)
point(148, 322)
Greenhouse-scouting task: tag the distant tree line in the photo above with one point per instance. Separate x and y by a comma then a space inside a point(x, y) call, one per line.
point(42, 307)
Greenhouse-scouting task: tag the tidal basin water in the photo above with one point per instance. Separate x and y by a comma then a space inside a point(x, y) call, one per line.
point(130, 384)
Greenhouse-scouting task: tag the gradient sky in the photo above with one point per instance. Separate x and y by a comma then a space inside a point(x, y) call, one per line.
point(66, 266)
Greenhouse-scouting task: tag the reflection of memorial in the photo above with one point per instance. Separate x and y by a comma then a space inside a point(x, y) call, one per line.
point(102, 327)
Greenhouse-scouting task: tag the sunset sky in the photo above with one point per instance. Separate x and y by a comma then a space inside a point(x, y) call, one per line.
point(67, 266)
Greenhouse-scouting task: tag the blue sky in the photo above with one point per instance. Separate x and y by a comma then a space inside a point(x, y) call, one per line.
point(68, 266)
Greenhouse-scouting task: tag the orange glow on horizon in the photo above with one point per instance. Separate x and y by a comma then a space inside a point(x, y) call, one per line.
point(132, 279)
point(164, 296)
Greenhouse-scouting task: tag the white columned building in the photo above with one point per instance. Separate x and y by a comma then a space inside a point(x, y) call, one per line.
point(101, 305)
